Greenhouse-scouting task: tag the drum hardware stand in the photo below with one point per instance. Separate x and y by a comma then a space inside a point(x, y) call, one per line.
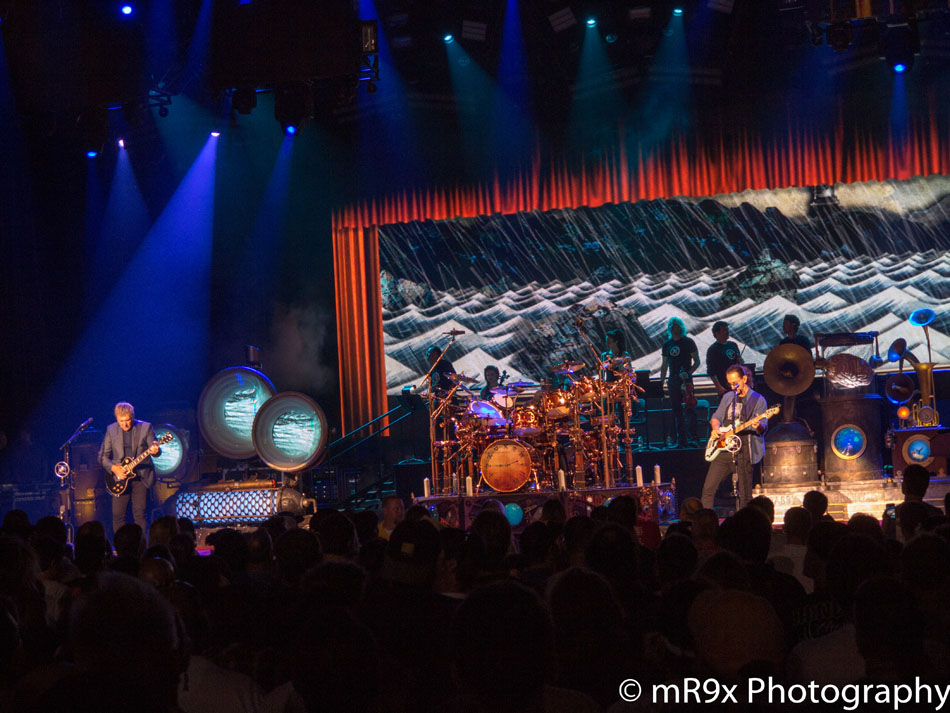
point(608, 480)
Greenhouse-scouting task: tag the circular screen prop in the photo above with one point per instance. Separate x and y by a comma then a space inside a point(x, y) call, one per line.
point(848, 442)
point(290, 432)
point(174, 453)
point(227, 407)
point(917, 450)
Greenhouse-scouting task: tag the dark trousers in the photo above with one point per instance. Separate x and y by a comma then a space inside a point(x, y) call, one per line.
point(684, 419)
point(723, 467)
point(138, 494)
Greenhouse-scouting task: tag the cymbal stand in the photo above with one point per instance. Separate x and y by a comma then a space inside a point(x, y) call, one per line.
point(608, 479)
point(431, 398)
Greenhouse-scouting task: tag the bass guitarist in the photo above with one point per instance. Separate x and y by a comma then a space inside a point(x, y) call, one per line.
point(128, 438)
point(738, 405)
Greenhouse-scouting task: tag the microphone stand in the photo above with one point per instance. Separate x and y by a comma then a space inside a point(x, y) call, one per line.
point(735, 454)
point(64, 471)
point(437, 481)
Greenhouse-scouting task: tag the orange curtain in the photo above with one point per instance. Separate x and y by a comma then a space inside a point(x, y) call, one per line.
point(359, 319)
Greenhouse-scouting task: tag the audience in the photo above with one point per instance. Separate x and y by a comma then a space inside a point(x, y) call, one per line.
point(544, 617)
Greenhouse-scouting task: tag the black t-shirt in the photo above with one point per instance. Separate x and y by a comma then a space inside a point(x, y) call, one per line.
point(127, 444)
point(678, 354)
point(440, 377)
point(798, 339)
point(720, 357)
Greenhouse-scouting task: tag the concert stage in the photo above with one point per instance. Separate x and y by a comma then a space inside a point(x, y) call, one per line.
point(659, 502)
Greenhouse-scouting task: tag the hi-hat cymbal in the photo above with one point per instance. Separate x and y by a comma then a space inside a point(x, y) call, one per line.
point(619, 362)
point(567, 367)
point(506, 389)
point(922, 317)
point(789, 369)
point(462, 379)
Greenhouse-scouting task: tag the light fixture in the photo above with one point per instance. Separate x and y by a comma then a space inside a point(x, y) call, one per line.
point(126, 9)
point(121, 143)
point(900, 41)
point(592, 22)
point(91, 154)
point(610, 38)
point(244, 100)
point(900, 67)
point(677, 12)
point(215, 134)
point(840, 35)
point(293, 105)
point(448, 38)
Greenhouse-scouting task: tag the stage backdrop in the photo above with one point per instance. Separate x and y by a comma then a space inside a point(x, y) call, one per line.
point(858, 259)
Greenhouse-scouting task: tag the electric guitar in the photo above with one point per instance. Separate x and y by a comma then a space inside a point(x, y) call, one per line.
point(117, 487)
point(729, 441)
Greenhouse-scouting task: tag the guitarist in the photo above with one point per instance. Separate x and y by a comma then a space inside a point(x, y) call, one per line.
point(737, 405)
point(127, 438)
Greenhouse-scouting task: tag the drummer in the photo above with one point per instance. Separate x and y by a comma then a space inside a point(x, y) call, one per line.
point(492, 374)
point(616, 349)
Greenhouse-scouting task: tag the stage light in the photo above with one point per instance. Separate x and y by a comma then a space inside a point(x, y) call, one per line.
point(448, 38)
point(677, 12)
point(898, 44)
point(592, 22)
point(216, 134)
point(92, 154)
point(903, 413)
point(293, 105)
point(121, 143)
point(610, 38)
point(126, 9)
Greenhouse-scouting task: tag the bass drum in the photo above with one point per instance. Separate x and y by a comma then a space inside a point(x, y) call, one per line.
point(507, 464)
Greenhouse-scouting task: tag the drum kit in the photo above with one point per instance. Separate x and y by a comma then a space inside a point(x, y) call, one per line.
point(535, 436)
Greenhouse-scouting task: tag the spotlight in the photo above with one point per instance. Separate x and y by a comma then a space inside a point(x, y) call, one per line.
point(899, 43)
point(677, 12)
point(126, 9)
point(121, 143)
point(293, 105)
point(448, 38)
point(91, 154)
point(592, 22)
point(216, 134)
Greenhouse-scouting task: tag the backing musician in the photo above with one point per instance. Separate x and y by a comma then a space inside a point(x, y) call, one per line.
point(738, 405)
point(720, 356)
point(441, 379)
point(681, 358)
point(128, 438)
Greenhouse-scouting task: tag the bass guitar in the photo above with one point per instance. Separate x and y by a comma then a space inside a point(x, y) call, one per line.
point(728, 440)
point(116, 486)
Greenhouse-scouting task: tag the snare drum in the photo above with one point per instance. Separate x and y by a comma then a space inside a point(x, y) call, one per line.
point(507, 464)
point(526, 421)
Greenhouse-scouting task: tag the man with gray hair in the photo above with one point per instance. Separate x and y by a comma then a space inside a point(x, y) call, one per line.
point(128, 438)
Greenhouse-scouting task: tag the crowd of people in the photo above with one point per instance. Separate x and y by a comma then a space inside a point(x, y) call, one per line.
point(400, 613)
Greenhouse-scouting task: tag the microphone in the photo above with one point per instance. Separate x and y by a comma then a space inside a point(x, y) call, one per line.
point(735, 386)
point(85, 424)
point(453, 333)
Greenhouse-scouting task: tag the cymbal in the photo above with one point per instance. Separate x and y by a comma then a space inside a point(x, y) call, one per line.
point(461, 379)
point(789, 369)
point(616, 362)
point(506, 389)
point(524, 385)
point(568, 367)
